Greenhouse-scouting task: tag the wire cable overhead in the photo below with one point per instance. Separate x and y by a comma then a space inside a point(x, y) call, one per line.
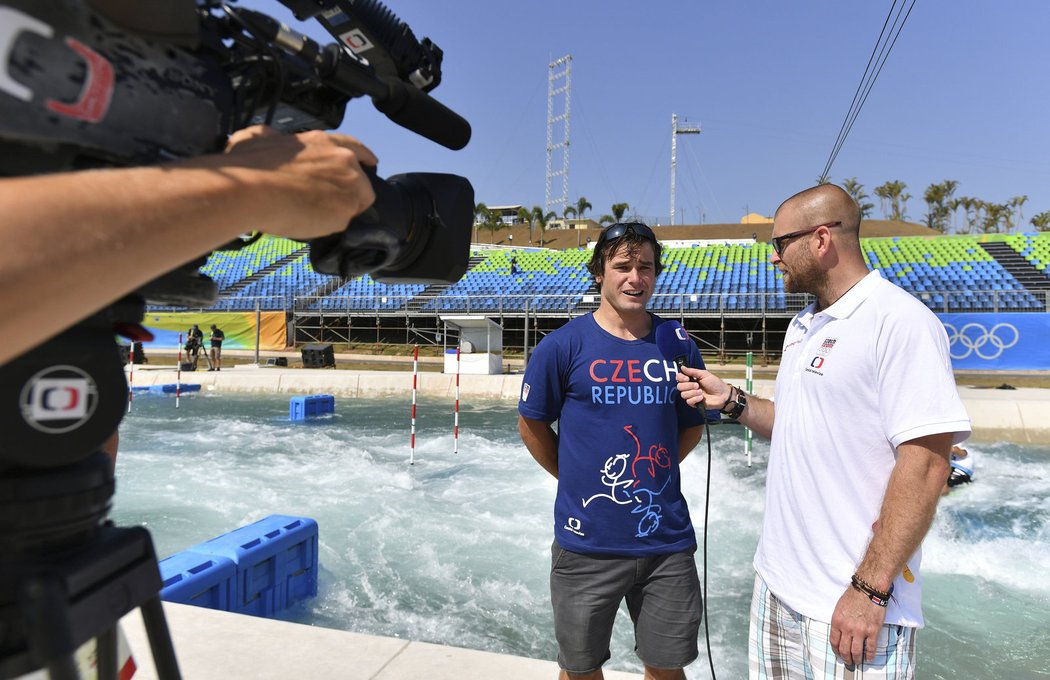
point(883, 46)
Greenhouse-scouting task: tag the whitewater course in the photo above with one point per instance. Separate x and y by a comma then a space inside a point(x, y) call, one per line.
point(438, 569)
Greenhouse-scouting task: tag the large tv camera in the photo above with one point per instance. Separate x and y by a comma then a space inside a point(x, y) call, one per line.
point(97, 83)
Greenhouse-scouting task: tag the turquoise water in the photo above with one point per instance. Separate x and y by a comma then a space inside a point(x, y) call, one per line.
point(455, 549)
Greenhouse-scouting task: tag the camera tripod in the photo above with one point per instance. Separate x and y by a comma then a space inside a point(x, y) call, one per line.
point(67, 574)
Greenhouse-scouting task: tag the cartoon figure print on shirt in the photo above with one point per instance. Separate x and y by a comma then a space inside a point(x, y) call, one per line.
point(631, 481)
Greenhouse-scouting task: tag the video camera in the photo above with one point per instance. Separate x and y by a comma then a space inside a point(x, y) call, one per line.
point(114, 83)
point(91, 83)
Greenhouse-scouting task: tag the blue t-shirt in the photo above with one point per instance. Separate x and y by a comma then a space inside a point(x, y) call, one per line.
point(619, 414)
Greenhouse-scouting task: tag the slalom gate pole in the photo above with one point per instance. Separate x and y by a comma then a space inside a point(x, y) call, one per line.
point(748, 382)
point(415, 385)
point(178, 374)
point(455, 422)
point(131, 373)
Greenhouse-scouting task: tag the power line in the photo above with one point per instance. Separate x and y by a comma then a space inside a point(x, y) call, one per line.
point(879, 54)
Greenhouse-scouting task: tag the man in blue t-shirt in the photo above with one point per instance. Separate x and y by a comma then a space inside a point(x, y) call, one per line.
point(621, 525)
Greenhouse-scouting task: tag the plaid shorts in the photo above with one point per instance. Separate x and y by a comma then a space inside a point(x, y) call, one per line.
point(783, 644)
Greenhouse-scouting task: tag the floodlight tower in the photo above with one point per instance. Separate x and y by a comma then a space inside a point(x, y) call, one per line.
point(559, 84)
point(676, 129)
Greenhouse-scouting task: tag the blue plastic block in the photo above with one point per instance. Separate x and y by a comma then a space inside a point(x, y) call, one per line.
point(301, 408)
point(276, 560)
point(201, 580)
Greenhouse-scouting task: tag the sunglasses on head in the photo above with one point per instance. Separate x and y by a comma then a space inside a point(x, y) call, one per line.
point(619, 229)
point(779, 241)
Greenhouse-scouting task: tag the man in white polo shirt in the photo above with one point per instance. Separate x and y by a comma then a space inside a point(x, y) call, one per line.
point(866, 411)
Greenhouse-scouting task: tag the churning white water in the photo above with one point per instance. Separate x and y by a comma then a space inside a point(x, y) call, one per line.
point(455, 549)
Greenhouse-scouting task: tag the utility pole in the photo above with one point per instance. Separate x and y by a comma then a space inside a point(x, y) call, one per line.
point(676, 129)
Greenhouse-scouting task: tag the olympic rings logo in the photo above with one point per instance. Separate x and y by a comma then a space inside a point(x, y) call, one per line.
point(974, 338)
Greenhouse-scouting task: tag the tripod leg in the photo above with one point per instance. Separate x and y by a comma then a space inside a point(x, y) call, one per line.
point(106, 653)
point(160, 639)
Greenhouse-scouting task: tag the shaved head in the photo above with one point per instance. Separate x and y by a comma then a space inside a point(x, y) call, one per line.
point(826, 203)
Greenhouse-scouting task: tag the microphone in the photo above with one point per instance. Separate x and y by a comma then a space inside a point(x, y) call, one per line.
point(674, 343)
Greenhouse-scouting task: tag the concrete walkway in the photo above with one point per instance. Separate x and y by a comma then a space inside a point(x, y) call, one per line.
point(215, 644)
point(1020, 415)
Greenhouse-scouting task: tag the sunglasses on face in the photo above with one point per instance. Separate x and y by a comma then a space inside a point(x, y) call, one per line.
point(779, 241)
point(619, 229)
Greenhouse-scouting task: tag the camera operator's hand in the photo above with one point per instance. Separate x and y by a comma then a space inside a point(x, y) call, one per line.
point(77, 241)
point(312, 183)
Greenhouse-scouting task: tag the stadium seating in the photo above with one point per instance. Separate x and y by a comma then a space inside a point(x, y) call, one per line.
point(948, 273)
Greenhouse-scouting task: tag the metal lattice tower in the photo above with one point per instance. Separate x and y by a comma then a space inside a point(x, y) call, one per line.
point(676, 129)
point(559, 82)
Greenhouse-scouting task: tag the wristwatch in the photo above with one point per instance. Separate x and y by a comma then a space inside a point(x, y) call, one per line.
point(735, 406)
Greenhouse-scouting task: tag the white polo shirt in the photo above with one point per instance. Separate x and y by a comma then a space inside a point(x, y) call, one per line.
point(868, 373)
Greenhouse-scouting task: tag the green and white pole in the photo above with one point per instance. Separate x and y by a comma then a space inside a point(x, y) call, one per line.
point(748, 376)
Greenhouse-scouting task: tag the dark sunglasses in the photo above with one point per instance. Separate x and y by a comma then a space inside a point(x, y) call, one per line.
point(619, 229)
point(778, 241)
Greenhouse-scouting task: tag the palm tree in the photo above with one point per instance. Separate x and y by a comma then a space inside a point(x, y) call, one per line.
point(481, 216)
point(856, 191)
point(1041, 221)
point(893, 195)
point(938, 197)
point(542, 218)
point(1017, 202)
point(582, 206)
point(618, 209)
point(607, 219)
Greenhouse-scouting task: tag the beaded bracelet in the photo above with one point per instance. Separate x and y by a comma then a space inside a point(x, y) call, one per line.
point(878, 597)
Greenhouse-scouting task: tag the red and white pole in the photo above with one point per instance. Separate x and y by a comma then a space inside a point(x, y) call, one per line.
point(455, 427)
point(415, 385)
point(178, 374)
point(131, 373)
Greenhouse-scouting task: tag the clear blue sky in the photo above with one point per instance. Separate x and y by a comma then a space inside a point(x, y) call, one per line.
point(963, 96)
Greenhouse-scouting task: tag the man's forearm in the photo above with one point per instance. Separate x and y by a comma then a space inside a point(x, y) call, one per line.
point(541, 441)
point(908, 508)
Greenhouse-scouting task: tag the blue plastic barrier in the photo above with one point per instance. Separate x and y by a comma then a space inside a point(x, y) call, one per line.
point(201, 580)
point(301, 408)
point(274, 565)
point(276, 560)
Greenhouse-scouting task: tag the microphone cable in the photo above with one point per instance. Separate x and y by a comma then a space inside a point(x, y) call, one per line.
point(707, 505)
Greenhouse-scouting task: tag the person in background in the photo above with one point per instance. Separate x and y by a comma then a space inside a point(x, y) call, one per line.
point(622, 527)
point(217, 336)
point(962, 469)
point(865, 413)
point(194, 341)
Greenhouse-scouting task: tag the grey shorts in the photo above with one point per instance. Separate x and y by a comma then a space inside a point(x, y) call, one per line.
point(663, 598)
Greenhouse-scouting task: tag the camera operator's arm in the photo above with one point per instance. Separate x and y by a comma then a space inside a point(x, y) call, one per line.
point(76, 241)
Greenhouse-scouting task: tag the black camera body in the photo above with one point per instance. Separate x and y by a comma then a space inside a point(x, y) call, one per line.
point(91, 83)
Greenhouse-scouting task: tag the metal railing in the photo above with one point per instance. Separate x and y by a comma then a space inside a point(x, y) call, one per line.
point(676, 304)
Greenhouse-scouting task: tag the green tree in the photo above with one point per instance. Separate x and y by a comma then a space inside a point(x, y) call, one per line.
point(938, 198)
point(893, 200)
point(618, 210)
point(1017, 202)
point(541, 219)
point(1041, 221)
point(582, 206)
point(856, 191)
point(606, 219)
point(568, 210)
point(998, 218)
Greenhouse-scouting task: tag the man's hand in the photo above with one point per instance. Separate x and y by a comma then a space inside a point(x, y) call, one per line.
point(855, 627)
point(310, 184)
point(698, 385)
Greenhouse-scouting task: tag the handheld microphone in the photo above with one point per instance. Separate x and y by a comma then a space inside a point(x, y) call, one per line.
point(673, 342)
